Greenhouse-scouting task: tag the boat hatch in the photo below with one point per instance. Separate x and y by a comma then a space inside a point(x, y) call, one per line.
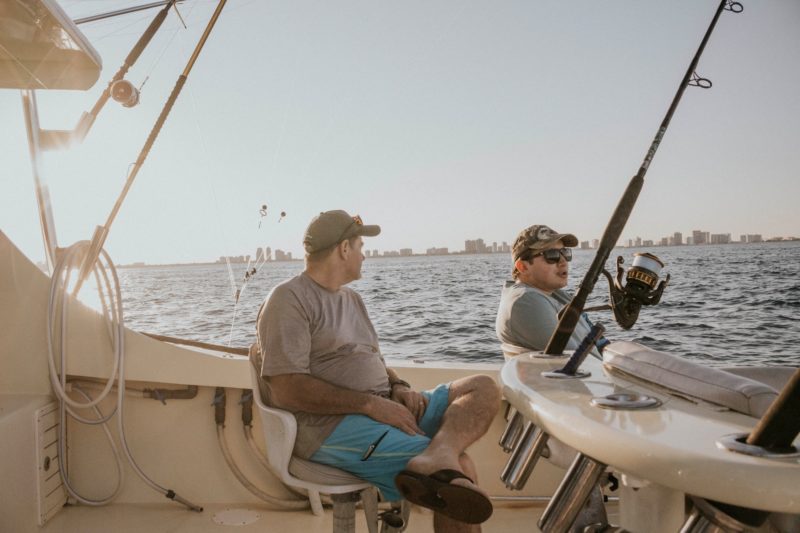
point(41, 48)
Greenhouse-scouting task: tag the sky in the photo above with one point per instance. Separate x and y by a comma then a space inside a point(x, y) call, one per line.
point(440, 121)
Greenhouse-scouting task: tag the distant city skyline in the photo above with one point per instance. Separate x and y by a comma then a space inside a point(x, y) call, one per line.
point(480, 246)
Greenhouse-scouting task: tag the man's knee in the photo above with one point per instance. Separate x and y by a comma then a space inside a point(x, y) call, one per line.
point(480, 386)
point(486, 387)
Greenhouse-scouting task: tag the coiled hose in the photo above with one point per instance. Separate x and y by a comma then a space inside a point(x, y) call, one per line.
point(58, 310)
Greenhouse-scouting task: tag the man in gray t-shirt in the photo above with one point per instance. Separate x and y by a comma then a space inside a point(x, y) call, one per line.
point(322, 362)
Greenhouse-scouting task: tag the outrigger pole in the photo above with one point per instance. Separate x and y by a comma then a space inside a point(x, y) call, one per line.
point(101, 232)
point(570, 315)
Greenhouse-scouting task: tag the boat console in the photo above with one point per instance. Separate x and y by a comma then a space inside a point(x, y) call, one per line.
point(664, 442)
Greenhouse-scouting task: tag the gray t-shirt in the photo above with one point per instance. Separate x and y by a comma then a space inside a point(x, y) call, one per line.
point(527, 317)
point(303, 328)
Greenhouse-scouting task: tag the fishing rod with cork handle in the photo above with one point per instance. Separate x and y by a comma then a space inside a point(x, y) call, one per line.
point(101, 232)
point(569, 316)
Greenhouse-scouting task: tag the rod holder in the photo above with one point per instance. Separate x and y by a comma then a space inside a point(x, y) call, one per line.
point(571, 495)
point(707, 518)
point(513, 431)
point(532, 444)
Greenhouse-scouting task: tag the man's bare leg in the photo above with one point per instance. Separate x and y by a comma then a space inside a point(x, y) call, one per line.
point(473, 403)
point(445, 524)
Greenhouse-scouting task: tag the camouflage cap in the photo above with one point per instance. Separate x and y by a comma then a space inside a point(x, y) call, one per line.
point(539, 237)
point(332, 227)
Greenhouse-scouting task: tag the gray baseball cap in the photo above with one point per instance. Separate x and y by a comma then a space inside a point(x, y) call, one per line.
point(538, 237)
point(332, 227)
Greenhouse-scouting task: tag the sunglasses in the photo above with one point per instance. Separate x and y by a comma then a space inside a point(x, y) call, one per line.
point(554, 255)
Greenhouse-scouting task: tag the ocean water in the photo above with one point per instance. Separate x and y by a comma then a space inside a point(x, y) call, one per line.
point(725, 305)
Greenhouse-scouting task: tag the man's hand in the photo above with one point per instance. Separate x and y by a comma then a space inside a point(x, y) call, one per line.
point(393, 413)
point(414, 401)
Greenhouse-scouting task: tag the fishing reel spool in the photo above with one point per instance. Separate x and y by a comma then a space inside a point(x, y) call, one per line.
point(125, 93)
point(642, 287)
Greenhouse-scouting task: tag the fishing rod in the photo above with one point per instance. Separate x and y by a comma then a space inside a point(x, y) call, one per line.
point(118, 88)
point(124, 11)
point(569, 316)
point(101, 232)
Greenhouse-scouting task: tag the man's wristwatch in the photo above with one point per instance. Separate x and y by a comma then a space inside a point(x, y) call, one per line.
point(398, 381)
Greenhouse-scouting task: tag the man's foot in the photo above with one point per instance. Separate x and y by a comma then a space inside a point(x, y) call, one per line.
point(448, 492)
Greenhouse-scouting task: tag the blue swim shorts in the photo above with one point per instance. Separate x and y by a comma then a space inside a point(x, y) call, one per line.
point(346, 446)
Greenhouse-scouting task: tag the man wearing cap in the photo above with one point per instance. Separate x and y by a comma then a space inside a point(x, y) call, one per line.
point(321, 361)
point(529, 304)
point(528, 316)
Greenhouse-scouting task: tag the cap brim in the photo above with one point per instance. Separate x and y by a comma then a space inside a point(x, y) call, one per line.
point(368, 230)
point(568, 239)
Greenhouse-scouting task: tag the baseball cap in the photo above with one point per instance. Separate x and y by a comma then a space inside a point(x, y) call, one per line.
point(329, 228)
point(538, 237)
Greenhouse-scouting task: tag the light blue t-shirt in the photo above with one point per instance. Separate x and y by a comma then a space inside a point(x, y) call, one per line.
point(527, 317)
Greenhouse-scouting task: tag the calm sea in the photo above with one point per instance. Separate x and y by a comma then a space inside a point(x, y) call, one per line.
point(726, 305)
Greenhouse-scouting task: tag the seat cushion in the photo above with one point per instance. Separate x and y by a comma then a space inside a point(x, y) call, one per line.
point(321, 474)
point(687, 378)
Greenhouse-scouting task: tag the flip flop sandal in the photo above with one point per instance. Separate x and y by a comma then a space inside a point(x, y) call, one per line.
point(435, 492)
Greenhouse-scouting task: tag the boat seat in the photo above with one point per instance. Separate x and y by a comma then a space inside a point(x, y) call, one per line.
point(510, 351)
point(686, 378)
point(775, 376)
point(280, 431)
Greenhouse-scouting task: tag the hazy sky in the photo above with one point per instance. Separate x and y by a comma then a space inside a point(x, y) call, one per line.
point(440, 121)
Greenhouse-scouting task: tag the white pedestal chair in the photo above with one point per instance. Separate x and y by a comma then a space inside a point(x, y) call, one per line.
point(280, 431)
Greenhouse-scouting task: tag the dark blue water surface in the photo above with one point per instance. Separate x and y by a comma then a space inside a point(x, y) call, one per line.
point(726, 304)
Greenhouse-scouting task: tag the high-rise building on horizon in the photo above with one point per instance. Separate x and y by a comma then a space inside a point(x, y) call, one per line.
point(720, 238)
point(699, 237)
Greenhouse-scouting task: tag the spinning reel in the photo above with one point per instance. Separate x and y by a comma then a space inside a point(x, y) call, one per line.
point(642, 287)
point(125, 93)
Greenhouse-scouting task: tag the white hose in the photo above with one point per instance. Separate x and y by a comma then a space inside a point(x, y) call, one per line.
point(284, 503)
point(58, 307)
point(262, 458)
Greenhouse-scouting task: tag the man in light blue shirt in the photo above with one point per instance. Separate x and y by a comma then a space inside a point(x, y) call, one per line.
point(529, 304)
point(528, 315)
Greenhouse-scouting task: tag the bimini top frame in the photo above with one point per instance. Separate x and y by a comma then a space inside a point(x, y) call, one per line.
point(41, 48)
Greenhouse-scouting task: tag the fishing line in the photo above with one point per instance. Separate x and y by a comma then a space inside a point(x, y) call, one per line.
point(116, 31)
point(216, 211)
point(167, 45)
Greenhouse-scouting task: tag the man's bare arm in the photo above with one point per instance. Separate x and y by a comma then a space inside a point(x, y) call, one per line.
point(301, 392)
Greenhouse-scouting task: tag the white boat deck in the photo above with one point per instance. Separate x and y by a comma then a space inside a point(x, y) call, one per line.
point(125, 518)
